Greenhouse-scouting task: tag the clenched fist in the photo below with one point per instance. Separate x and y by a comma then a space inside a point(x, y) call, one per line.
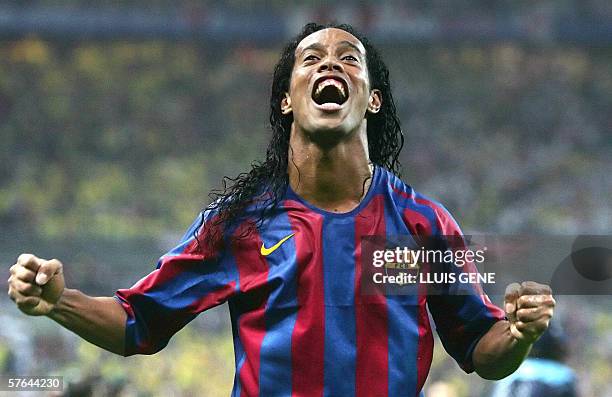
point(529, 307)
point(36, 284)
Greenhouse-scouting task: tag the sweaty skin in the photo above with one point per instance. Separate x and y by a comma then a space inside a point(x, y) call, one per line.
point(37, 287)
point(329, 166)
point(330, 149)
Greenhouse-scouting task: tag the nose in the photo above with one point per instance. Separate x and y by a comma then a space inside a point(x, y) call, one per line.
point(330, 64)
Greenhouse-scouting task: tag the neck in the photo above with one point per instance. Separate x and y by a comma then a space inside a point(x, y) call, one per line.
point(334, 177)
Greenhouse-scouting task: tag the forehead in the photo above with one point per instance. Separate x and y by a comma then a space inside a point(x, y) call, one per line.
point(329, 37)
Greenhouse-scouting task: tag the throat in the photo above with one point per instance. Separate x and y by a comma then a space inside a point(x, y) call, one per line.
point(337, 191)
point(334, 178)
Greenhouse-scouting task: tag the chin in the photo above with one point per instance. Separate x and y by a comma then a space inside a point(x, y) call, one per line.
point(328, 133)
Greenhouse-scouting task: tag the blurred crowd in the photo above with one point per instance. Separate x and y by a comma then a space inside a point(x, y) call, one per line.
point(127, 138)
point(111, 147)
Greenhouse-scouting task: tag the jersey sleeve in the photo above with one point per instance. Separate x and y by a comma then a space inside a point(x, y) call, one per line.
point(463, 313)
point(188, 280)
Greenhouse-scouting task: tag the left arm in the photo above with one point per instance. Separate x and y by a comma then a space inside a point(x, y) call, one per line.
point(529, 308)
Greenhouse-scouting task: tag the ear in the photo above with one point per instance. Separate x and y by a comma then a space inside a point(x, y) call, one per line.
point(286, 104)
point(375, 101)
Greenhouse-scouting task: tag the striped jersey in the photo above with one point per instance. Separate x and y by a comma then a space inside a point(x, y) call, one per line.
point(300, 325)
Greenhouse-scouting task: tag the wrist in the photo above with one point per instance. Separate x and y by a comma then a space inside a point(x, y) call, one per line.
point(522, 343)
point(60, 304)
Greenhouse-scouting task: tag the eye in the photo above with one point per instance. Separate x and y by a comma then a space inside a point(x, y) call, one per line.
point(311, 58)
point(349, 58)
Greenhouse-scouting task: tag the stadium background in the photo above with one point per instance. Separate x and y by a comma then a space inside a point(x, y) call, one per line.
point(117, 118)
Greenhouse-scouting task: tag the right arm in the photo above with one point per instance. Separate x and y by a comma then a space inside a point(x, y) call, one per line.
point(37, 287)
point(140, 320)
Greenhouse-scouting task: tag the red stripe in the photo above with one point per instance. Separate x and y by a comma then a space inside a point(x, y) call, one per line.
point(425, 347)
point(417, 223)
point(252, 331)
point(307, 339)
point(213, 298)
point(448, 227)
point(402, 193)
point(372, 366)
point(171, 266)
point(253, 273)
point(192, 256)
point(420, 226)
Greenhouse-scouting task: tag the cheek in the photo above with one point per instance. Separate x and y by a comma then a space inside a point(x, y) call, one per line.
point(363, 86)
point(298, 82)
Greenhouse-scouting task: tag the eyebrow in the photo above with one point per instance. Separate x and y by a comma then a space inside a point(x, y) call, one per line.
point(349, 44)
point(313, 46)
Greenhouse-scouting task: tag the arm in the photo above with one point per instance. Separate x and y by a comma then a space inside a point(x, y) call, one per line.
point(37, 287)
point(529, 308)
point(99, 320)
point(498, 353)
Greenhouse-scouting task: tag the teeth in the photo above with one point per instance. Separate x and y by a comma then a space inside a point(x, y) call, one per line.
point(328, 82)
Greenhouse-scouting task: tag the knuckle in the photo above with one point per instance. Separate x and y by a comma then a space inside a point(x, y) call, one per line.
point(54, 264)
point(21, 288)
point(512, 289)
point(526, 284)
point(24, 258)
point(24, 274)
point(27, 302)
point(548, 301)
point(26, 288)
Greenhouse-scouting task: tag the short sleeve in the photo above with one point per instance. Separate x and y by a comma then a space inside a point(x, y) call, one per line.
point(188, 280)
point(461, 318)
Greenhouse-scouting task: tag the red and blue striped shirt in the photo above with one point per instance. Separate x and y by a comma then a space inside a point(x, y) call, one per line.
point(301, 326)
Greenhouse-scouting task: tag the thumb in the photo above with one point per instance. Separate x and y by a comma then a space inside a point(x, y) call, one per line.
point(513, 292)
point(47, 270)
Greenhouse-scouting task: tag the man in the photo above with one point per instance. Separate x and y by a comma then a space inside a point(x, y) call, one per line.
point(282, 246)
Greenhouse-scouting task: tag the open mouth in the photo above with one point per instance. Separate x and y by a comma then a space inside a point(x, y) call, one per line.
point(329, 90)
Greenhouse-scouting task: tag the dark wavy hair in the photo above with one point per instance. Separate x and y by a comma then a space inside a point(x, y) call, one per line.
point(267, 181)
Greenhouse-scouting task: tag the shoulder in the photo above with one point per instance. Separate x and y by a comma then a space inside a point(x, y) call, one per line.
point(417, 208)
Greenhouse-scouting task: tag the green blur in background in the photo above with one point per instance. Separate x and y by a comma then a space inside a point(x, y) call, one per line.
point(110, 146)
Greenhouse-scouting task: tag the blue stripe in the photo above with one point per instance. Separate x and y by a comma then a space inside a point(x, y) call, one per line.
point(190, 285)
point(339, 293)
point(188, 237)
point(281, 309)
point(239, 354)
point(403, 321)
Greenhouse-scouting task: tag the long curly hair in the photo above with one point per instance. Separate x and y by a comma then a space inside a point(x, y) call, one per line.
point(267, 181)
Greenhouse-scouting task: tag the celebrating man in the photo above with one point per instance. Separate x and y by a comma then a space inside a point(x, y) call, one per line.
point(282, 245)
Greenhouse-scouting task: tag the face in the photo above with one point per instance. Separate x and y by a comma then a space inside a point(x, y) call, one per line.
point(330, 90)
